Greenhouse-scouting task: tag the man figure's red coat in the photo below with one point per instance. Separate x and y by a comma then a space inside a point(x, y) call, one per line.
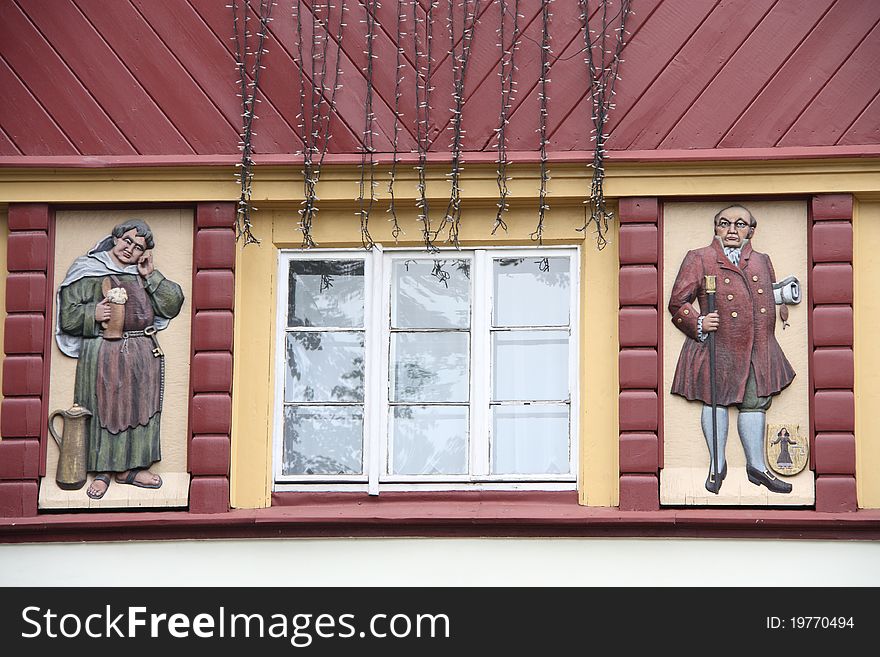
point(746, 332)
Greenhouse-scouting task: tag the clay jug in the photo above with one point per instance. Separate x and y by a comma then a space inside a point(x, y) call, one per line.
point(73, 443)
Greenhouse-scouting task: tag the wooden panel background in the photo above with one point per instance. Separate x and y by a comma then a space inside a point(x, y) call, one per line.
point(157, 77)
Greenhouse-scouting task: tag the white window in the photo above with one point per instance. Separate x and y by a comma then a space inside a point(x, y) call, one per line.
point(406, 370)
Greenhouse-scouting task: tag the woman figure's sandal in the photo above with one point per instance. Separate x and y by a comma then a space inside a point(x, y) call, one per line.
point(130, 477)
point(96, 493)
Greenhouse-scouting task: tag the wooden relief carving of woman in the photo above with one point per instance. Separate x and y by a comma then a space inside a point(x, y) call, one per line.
point(111, 304)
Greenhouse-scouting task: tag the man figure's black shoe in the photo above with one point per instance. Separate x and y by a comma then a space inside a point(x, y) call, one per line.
point(766, 479)
point(713, 484)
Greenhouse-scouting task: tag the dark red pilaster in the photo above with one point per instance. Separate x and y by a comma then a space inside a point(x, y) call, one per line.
point(638, 360)
point(833, 399)
point(27, 336)
point(211, 371)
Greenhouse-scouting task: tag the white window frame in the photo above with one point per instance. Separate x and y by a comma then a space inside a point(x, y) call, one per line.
point(377, 345)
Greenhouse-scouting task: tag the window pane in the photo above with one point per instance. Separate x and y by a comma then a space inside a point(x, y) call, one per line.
point(323, 440)
point(430, 294)
point(429, 440)
point(326, 293)
point(429, 367)
point(530, 365)
point(324, 366)
point(531, 291)
point(530, 439)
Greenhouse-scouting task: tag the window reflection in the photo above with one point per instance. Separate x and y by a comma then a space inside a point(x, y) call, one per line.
point(323, 440)
point(531, 291)
point(430, 294)
point(428, 440)
point(429, 367)
point(530, 365)
point(324, 366)
point(326, 293)
point(530, 439)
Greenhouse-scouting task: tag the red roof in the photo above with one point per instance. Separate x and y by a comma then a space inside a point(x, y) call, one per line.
point(157, 77)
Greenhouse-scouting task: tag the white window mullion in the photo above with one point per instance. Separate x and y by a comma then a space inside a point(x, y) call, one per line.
point(375, 419)
point(480, 393)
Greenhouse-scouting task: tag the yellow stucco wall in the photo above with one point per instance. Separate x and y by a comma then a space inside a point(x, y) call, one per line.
point(866, 310)
point(338, 228)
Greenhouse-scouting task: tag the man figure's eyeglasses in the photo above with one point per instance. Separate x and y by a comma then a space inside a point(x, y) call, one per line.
point(739, 225)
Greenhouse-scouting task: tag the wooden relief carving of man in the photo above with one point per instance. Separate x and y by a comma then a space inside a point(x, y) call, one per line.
point(750, 367)
point(111, 303)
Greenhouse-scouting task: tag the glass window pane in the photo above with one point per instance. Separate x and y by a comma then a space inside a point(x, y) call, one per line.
point(530, 365)
point(429, 440)
point(531, 291)
point(530, 439)
point(431, 294)
point(429, 367)
point(323, 440)
point(326, 293)
point(324, 366)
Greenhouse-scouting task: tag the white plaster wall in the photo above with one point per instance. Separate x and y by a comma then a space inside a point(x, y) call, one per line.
point(446, 562)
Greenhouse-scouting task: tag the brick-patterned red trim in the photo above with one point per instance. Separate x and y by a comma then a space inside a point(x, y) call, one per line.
point(639, 492)
point(831, 351)
point(836, 493)
point(19, 459)
point(835, 453)
point(638, 453)
point(640, 412)
point(209, 455)
point(209, 494)
point(830, 207)
point(27, 341)
point(834, 368)
point(637, 369)
point(211, 371)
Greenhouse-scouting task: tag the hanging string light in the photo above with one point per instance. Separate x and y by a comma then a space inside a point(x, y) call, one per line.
point(243, 38)
point(368, 162)
point(422, 47)
point(603, 47)
point(459, 61)
point(398, 81)
point(546, 16)
point(318, 105)
point(508, 87)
